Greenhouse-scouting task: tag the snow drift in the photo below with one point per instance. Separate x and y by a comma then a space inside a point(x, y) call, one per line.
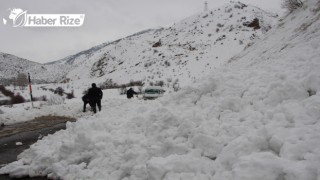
point(257, 118)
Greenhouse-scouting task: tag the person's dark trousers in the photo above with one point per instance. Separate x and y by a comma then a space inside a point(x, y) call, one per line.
point(84, 106)
point(93, 105)
point(85, 102)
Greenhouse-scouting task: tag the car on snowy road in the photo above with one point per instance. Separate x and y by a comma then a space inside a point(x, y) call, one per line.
point(153, 92)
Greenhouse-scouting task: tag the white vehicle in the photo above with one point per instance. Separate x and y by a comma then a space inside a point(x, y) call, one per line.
point(153, 92)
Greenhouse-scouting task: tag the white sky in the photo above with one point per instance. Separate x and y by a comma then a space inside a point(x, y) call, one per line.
point(106, 20)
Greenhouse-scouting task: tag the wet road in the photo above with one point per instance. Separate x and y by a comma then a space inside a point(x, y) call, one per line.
point(26, 134)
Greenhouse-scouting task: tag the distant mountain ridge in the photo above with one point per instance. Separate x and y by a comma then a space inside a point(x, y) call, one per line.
point(183, 53)
point(11, 66)
point(71, 60)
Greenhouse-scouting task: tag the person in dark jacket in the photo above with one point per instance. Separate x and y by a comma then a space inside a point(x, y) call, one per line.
point(130, 93)
point(85, 100)
point(95, 95)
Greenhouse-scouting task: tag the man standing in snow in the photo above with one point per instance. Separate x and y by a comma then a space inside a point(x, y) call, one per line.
point(95, 95)
point(130, 93)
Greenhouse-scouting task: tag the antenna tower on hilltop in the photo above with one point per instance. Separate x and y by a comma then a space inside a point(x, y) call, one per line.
point(206, 6)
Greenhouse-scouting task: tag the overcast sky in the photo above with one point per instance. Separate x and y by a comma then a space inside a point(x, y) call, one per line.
point(105, 20)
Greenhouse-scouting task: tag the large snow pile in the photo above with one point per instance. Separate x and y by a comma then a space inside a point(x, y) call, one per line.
point(256, 119)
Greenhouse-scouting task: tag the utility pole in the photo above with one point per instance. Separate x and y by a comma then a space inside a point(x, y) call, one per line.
point(30, 88)
point(206, 6)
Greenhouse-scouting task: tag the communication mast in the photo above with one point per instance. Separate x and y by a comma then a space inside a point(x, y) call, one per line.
point(206, 6)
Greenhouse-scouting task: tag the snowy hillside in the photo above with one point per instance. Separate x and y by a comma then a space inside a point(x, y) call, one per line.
point(187, 51)
point(78, 58)
point(257, 118)
point(11, 66)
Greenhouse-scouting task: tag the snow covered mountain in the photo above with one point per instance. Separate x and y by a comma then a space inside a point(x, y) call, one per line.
point(77, 58)
point(187, 51)
point(11, 66)
point(183, 53)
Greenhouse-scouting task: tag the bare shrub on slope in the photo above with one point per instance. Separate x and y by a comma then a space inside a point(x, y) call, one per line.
point(291, 5)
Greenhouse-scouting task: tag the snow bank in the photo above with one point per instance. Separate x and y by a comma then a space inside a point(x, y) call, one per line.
point(256, 119)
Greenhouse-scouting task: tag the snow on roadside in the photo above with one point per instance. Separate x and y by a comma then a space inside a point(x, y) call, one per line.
point(256, 119)
point(55, 106)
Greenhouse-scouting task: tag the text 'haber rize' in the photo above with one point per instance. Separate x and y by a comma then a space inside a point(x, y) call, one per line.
point(62, 20)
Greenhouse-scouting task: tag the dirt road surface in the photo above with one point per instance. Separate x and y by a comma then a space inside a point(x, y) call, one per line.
point(17, 137)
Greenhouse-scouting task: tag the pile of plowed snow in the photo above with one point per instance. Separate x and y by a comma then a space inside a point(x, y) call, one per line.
point(257, 119)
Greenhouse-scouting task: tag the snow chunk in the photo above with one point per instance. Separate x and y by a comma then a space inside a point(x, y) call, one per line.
point(19, 144)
